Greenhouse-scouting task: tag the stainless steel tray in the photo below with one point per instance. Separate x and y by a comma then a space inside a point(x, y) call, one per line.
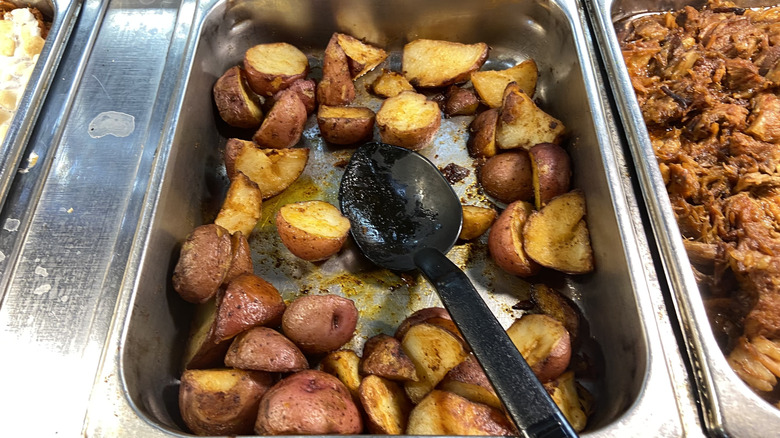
point(63, 14)
point(136, 391)
point(730, 407)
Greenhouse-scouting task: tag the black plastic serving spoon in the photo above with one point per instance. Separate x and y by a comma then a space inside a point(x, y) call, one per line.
point(405, 216)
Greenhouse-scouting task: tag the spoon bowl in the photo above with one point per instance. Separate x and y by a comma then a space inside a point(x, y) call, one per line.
point(404, 216)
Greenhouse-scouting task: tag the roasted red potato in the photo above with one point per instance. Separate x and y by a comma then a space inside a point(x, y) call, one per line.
point(246, 302)
point(390, 84)
point(506, 241)
point(274, 66)
point(437, 63)
point(345, 365)
point(544, 343)
point(273, 170)
point(383, 356)
point(476, 221)
point(283, 126)
point(437, 316)
point(204, 261)
point(336, 86)
point(306, 89)
point(446, 413)
point(221, 401)
point(408, 120)
point(522, 124)
point(434, 351)
point(508, 177)
point(237, 105)
point(265, 349)
point(361, 57)
point(551, 167)
point(312, 230)
point(242, 207)
point(482, 138)
point(490, 84)
point(320, 323)
point(309, 402)
point(460, 101)
point(241, 261)
point(386, 406)
point(203, 350)
point(345, 124)
point(469, 381)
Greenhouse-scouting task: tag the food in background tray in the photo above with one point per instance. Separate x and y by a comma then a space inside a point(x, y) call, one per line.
point(707, 84)
point(22, 34)
point(421, 379)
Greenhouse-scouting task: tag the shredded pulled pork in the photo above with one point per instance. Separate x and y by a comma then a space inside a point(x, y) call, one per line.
point(708, 84)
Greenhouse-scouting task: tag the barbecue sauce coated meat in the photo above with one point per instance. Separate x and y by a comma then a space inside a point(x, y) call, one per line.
point(708, 85)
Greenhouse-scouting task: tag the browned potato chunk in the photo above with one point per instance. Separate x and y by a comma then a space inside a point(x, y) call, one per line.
point(437, 63)
point(434, 352)
point(544, 343)
point(469, 381)
point(203, 350)
point(221, 401)
point(237, 106)
point(273, 67)
point(437, 316)
point(283, 126)
point(203, 263)
point(309, 402)
point(522, 124)
point(247, 301)
point(345, 365)
point(242, 207)
point(362, 57)
point(320, 323)
point(312, 230)
point(273, 170)
point(482, 140)
point(460, 102)
point(265, 349)
point(241, 262)
point(385, 404)
point(390, 84)
point(551, 172)
point(476, 220)
point(506, 241)
point(563, 391)
point(490, 84)
point(557, 235)
point(508, 177)
point(445, 413)
point(345, 124)
point(558, 307)
point(306, 91)
point(384, 357)
point(336, 86)
point(408, 120)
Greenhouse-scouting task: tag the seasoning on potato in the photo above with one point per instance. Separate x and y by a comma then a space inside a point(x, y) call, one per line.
point(508, 177)
point(490, 84)
point(274, 66)
point(203, 263)
point(437, 63)
point(312, 230)
point(408, 120)
point(522, 124)
point(345, 125)
point(320, 323)
point(506, 241)
point(237, 105)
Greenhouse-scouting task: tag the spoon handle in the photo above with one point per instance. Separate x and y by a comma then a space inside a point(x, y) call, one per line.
point(524, 397)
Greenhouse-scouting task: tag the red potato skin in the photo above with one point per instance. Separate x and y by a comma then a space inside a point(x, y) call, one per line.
point(508, 177)
point(265, 349)
point(266, 84)
point(309, 402)
point(482, 140)
point(336, 87)
point(306, 89)
point(247, 301)
point(283, 126)
point(204, 262)
point(320, 323)
point(241, 262)
point(231, 103)
point(437, 316)
point(501, 244)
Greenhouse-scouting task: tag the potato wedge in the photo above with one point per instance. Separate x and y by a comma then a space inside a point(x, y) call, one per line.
point(437, 63)
point(522, 124)
point(437, 316)
point(445, 413)
point(384, 357)
point(265, 349)
point(482, 138)
point(312, 230)
point(362, 57)
point(237, 105)
point(551, 167)
point(273, 170)
point(203, 350)
point(476, 221)
point(241, 261)
point(544, 343)
point(345, 124)
point(506, 241)
point(306, 89)
point(460, 101)
point(246, 302)
point(508, 176)
point(336, 86)
point(204, 261)
point(563, 391)
point(408, 120)
point(434, 352)
point(490, 84)
point(386, 406)
point(469, 381)
point(345, 365)
point(221, 401)
point(558, 307)
point(242, 207)
point(390, 84)
point(557, 235)
point(283, 126)
point(273, 67)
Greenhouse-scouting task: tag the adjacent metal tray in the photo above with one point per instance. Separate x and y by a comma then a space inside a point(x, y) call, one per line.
point(631, 340)
point(62, 14)
point(730, 406)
